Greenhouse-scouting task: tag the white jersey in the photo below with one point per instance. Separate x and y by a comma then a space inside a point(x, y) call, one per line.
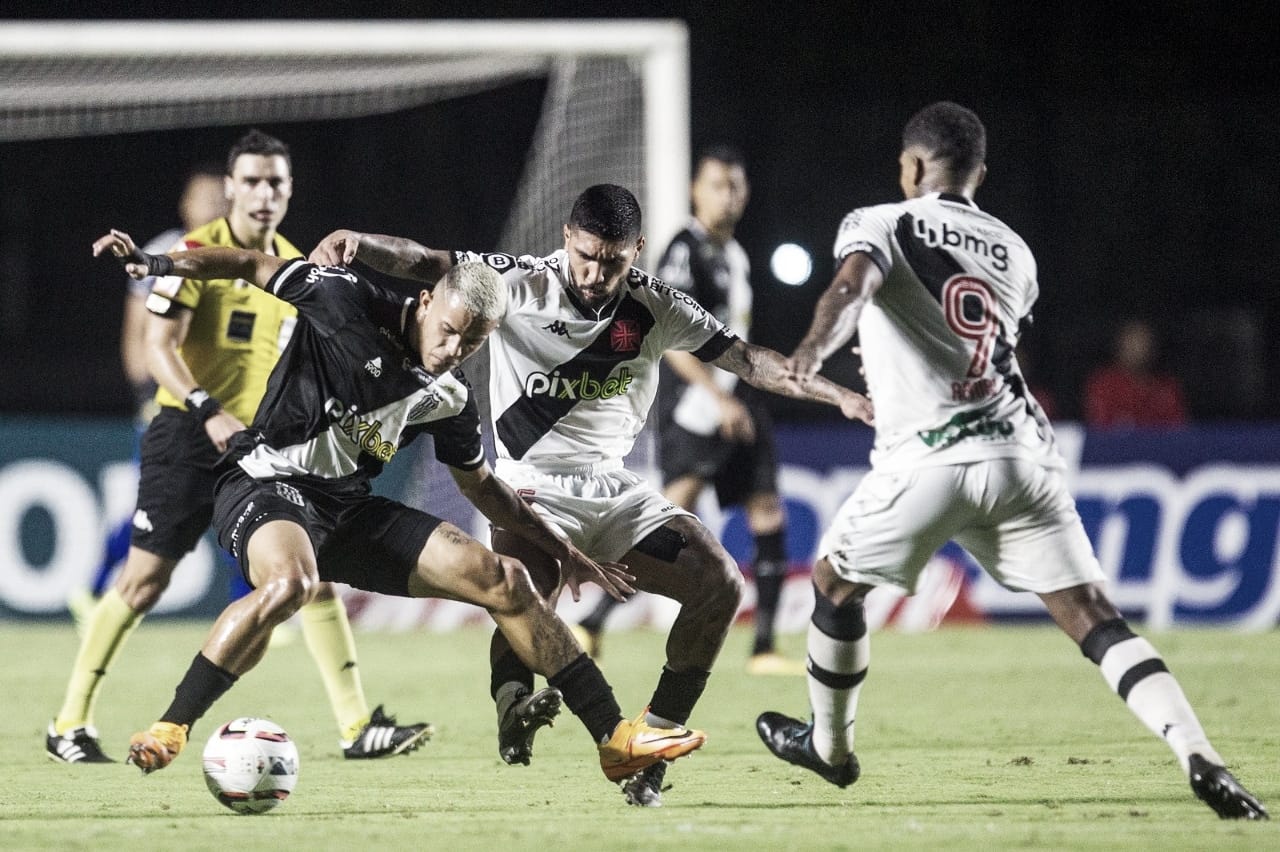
point(938, 337)
point(570, 386)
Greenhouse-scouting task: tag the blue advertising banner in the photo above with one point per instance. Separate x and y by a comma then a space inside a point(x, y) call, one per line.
point(1185, 523)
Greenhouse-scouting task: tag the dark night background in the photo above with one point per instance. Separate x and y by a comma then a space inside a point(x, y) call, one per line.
point(1132, 145)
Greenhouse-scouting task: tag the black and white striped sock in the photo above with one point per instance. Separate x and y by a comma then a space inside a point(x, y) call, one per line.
point(839, 654)
point(1135, 671)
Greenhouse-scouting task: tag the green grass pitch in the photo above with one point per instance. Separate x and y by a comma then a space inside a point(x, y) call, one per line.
point(970, 738)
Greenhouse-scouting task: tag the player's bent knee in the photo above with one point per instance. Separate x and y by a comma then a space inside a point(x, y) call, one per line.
point(284, 594)
point(512, 591)
point(144, 579)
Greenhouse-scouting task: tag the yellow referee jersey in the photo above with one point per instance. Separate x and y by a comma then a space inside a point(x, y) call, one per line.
point(237, 331)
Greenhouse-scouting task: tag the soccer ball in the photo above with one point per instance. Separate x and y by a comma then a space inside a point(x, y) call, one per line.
point(250, 765)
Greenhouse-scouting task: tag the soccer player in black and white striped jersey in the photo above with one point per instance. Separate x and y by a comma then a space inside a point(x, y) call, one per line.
point(573, 370)
point(365, 372)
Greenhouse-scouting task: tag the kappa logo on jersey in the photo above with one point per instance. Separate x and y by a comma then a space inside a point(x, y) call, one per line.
point(288, 492)
point(367, 434)
point(374, 366)
point(557, 327)
point(556, 386)
point(941, 235)
point(624, 335)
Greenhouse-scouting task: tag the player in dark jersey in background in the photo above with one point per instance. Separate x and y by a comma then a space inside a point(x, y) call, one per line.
point(210, 346)
point(938, 292)
point(573, 370)
point(713, 429)
point(366, 372)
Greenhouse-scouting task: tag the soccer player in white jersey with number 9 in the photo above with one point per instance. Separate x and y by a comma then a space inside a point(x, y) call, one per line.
point(938, 291)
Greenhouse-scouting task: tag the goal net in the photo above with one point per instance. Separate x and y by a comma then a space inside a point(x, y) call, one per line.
point(615, 110)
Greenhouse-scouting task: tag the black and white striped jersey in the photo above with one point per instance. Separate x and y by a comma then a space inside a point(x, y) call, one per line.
point(938, 337)
point(350, 391)
point(571, 386)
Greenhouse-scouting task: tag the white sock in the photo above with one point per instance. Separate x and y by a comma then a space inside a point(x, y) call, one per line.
point(834, 708)
point(1135, 670)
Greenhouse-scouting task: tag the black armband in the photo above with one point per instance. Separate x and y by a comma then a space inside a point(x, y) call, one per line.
point(158, 265)
point(202, 405)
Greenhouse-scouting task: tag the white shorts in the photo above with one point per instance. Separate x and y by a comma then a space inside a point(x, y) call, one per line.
point(1014, 516)
point(604, 512)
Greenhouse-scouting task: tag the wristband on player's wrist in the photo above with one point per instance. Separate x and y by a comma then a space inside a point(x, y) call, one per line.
point(158, 265)
point(202, 405)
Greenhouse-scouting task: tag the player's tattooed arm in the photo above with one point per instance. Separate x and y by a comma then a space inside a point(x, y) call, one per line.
point(398, 256)
point(498, 502)
point(763, 368)
point(202, 263)
point(835, 318)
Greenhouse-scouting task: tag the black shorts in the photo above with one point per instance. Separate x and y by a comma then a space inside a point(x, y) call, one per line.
point(736, 470)
point(368, 542)
point(175, 485)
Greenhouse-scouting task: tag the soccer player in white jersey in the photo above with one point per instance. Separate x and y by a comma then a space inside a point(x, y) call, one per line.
point(937, 291)
point(573, 372)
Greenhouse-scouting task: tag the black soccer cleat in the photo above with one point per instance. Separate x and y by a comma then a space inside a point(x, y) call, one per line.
point(523, 718)
point(1220, 790)
point(76, 746)
point(644, 789)
point(792, 741)
point(382, 737)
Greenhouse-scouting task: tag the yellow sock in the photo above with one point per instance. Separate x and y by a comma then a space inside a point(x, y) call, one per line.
point(109, 624)
point(328, 635)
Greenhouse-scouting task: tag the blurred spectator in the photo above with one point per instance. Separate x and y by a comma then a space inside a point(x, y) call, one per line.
point(1130, 391)
point(1035, 384)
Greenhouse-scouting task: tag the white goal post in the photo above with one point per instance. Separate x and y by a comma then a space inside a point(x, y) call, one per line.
point(82, 78)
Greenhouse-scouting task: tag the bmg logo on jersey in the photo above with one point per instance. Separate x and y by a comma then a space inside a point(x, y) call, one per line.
point(942, 235)
point(556, 386)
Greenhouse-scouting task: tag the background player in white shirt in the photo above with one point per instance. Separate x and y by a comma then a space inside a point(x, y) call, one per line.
point(937, 290)
point(573, 372)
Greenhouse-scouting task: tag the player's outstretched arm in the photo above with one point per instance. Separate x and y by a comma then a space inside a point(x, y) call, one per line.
point(768, 370)
point(398, 256)
point(500, 504)
point(202, 263)
point(835, 318)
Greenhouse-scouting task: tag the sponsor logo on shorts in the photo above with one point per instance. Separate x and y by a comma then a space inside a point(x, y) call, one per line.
point(238, 527)
point(290, 493)
point(556, 386)
point(374, 366)
point(142, 522)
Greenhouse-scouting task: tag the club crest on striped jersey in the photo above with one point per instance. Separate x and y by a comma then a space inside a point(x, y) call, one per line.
point(625, 335)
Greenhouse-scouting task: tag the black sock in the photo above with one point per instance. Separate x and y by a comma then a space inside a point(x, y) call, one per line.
point(202, 685)
point(589, 696)
point(594, 620)
point(771, 573)
point(506, 669)
point(676, 694)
